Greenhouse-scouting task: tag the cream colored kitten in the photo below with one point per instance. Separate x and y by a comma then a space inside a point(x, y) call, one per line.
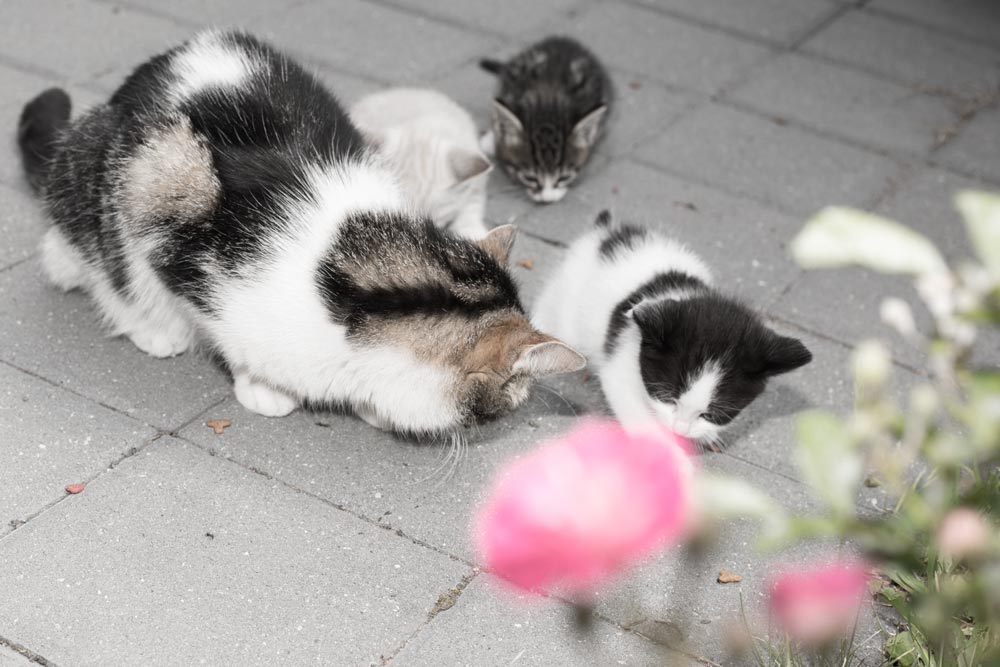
point(434, 146)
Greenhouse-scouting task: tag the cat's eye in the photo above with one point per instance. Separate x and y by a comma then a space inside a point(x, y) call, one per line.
point(564, 180)
point(529, 180)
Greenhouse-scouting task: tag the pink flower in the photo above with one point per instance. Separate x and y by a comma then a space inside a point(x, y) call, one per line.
point(820, 604)
point(962, 533)
point(582, 507)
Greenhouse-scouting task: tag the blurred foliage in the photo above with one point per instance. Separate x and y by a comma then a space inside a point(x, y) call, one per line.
point(934, 455)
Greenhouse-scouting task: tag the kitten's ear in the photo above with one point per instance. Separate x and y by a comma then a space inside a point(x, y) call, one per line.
point(549, 358)
point(585, 132)
point(508, 125)
point(498, 242)
point(784, 354)
point(465, 164)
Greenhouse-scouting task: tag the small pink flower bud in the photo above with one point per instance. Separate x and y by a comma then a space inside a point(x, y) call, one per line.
point(963, 533)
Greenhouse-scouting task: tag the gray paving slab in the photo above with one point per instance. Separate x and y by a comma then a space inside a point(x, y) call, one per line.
point(20, 220)
point(531, 261)
point(975, 19)
point(769, 160)
point(650, 43)
point(11, 658)
point(848, 103)
point(910, 53)
point(19, 88)
point(180, 558)
point(778, 21)
point(514, 19)
point(489, 625)
point(404, 485)
point(81, 40)
point(976, 149)
point(58, 336)
point(52, 438)
point(373, 40)
point(711, 222)
point(207, 13)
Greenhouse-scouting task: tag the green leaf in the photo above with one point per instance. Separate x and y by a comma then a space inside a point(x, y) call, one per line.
point(829, 460)
point(981, 211)
point(839, 236)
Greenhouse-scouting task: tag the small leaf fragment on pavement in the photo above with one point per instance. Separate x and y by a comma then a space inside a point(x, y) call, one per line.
point(526, 263)
point(727, 577)
point(218, 425)
point(75, 488)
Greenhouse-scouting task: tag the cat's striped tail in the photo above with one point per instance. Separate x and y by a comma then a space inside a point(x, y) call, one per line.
point(42, 119)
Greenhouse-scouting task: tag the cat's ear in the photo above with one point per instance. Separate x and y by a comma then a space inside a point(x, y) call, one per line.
point(498, 243)
point(551, 357)
point(585, 132)
point(782, 354)
point(508, 125)
point(466, 164)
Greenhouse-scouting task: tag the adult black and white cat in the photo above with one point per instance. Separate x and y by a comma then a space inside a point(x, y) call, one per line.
point(667, 345)
point(223, 191)
point(548, 114)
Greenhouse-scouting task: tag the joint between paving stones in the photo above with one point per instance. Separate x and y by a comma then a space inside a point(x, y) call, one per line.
point(27, 653)
point(444, 602)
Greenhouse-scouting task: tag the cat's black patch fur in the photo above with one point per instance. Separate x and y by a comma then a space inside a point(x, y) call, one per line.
point(661, 284)
point(680, 337)
point(621, 238)
point(549, 87)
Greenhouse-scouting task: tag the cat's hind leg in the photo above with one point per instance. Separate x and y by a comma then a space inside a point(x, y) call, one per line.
point(63, 264)
point(150, 316)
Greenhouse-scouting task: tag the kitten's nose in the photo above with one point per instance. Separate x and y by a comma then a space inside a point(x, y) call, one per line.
point(549, 195)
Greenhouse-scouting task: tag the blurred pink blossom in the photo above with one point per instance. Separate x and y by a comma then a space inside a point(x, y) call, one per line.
point(962, 533)
point(819, 604)
point(582, 507)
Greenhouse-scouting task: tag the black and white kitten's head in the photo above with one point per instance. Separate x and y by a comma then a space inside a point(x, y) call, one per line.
point(548, 114)
point(705, 358)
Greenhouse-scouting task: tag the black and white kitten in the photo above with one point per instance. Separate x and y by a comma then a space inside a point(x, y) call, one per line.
point(667, 345)
point(223, 191)
point(547, 115)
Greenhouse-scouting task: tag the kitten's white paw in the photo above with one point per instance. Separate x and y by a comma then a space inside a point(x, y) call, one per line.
point(162, 343)
point(61, 262)
point(262, 399)
point(488, 143)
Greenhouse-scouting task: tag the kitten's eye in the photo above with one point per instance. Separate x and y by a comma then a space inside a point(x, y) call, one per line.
point(564, 180)
point(530, 180)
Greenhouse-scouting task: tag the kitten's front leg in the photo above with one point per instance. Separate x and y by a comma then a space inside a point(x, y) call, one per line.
point(261, 398)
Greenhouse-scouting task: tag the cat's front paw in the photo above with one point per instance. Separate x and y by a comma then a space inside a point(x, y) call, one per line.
point(162, 343)
point(372, 419)
point(261, 398)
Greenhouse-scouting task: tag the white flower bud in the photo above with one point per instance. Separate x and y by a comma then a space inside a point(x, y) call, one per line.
point(897, 314)
point(871, 364)
point(924, 400)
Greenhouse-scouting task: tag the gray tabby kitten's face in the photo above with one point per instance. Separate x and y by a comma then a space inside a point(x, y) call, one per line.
point(545, 152)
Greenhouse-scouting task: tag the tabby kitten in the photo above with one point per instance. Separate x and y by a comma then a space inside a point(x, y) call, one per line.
point(223, 191)
point(548, 113)
point(668, 346)
point(434, 147)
